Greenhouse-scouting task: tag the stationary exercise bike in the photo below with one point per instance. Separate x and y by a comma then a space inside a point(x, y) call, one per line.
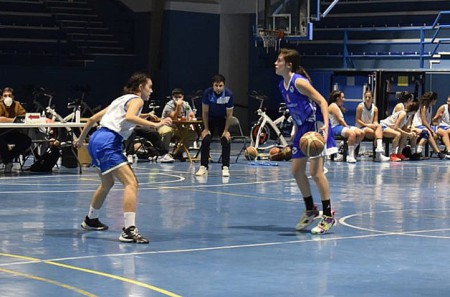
point(266, 129)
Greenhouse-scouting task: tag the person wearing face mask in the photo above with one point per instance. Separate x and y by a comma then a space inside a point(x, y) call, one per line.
point(217, 111)
point(176, 108)
point(12, 143)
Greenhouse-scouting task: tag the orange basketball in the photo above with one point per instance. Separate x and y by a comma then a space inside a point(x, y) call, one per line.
point(287, 152)
point(312, 144)
point(251, 153)
point(276, 154)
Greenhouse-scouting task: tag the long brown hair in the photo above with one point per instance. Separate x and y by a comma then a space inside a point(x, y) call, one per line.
point(292, 56)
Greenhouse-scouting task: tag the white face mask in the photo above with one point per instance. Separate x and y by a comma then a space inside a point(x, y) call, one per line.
point(8, 101)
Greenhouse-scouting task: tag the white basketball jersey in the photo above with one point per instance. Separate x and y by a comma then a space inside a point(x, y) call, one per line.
point(417, 120)
point(445, 120)
point(333, 119)
point(114, 118)
point(392, 119)
point(367, 114)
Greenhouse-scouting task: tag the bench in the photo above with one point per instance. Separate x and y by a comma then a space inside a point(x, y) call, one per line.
point(386, 142)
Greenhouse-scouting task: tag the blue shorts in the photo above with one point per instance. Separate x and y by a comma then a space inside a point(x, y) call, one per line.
point(330, 147)
point(422, 127)
point(106, 150)
point(446, 128)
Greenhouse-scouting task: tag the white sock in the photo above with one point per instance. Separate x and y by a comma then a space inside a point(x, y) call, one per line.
point(351, 151)
point(379, 143)
point(129, 219)
point(93, 213)
point(420, 148)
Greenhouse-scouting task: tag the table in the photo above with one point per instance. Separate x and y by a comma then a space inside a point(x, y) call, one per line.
point(182, 142)
point(66, 125)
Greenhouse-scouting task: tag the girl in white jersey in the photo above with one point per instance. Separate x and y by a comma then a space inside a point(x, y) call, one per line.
point(340, 127)
point(442, 117)
point(310, 113)
point(395, 126)
point(367, 120)
point(422, 123)
point(106, 149)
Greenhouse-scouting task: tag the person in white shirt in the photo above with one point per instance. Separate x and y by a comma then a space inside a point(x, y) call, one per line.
point(117, 122)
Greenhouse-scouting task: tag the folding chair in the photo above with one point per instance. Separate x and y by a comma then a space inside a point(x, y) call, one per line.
point(237, 135)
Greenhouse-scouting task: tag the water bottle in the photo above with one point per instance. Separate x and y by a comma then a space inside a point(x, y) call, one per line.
point(77, 115)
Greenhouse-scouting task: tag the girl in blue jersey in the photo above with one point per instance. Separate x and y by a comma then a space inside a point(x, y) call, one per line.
point(309, 111)
point(117, 121)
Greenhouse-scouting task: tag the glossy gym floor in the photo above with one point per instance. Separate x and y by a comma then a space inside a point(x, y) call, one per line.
point(235, 237)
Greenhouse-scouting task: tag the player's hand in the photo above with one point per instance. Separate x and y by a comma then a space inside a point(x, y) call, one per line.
point(227, 135)
point(205, 132)
point(165, 121)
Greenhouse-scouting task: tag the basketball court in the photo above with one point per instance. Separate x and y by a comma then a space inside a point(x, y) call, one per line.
point(221, 237)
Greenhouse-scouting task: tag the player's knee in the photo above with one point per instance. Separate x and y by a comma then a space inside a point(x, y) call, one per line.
point(424, 134)
point(224, 141)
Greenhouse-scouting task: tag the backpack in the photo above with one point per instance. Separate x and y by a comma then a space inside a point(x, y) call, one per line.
point(47, 161)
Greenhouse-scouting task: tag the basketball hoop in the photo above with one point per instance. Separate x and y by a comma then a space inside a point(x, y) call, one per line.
point(271, 38)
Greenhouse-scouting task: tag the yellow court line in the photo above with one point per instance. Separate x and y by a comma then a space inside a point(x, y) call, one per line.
point(123, 279)
point(38, 278)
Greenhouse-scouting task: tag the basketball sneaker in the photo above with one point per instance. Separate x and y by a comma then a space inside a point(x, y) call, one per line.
point(381, 158)
point(395, 158)
point(132, 235)
point(202, 171)
point(324, 225)
point(225, 171)
point(93, 224)
point(307, 218)
point(351, 159)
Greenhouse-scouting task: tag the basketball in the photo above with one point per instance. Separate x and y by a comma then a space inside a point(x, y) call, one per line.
point(251, 153)
point(287, 152)
point(312, 144)
point(276, 154)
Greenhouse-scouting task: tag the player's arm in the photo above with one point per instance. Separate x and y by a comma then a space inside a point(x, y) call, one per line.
point(308, 90)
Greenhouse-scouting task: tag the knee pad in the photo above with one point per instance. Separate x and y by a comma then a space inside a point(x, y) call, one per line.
point(424, 134)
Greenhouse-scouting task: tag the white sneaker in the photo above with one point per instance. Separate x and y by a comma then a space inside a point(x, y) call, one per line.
point(379, 150)
point(225, 171)
point(381, 158)
point(351, 159)
point(202, 171)
point(167, 159)
point(8, 167)
point(339, 158)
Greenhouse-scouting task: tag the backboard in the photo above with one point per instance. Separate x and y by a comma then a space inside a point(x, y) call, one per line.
point(290, 16)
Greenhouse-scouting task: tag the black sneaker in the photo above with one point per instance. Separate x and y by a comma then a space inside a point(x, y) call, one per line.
point(132, 235)
point(93, 224)
point(441, 155)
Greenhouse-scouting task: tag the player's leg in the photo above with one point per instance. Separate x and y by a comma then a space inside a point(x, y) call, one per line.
point(130, 232)
point(327, 221)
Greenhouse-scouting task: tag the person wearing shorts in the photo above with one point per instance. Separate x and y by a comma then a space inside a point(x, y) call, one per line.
point(117, 122)
point(309, 111)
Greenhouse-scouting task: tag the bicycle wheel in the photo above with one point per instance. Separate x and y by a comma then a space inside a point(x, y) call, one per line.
point(264, 134)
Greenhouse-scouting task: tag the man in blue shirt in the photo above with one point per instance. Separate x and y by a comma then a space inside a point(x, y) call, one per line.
point(217, 111)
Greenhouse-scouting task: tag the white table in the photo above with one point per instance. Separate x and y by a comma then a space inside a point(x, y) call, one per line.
point(45, 125)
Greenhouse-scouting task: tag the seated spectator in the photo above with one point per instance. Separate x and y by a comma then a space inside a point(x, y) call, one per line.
point(13, 142)
point(340, 127)
point(442, 119)
point(176, 108)
point(421, 124)
point(367, 121)
point(396, 126)
point(154, 149)
point(403, 100)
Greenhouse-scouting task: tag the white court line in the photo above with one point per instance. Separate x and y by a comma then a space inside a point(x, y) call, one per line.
point(319, 238)
point(343, 221)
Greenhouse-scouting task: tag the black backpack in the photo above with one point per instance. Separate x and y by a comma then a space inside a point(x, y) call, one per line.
point(47, 161)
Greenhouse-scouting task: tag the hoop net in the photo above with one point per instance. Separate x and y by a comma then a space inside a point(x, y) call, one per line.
point(271, 38)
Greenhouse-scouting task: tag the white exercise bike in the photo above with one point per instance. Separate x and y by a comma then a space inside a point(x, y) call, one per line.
point(267, 133)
